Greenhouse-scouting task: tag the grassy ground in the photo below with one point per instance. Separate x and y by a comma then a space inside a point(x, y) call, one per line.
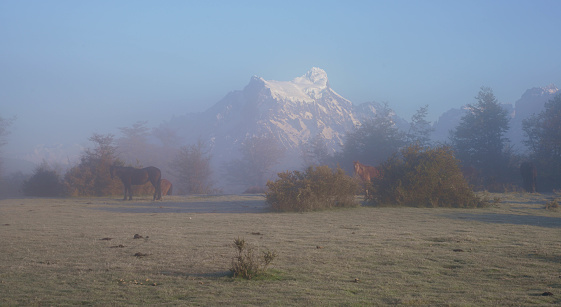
point(80, 251)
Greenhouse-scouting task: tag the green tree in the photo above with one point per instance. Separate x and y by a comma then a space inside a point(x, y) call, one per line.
point(479, 139)
point(192, 169)
point(316, 153)
point(374, 141)
point(543, 139)
point(419, 129)
point(45, 182)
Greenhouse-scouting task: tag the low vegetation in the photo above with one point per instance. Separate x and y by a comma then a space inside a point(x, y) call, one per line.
point(423, 178)
point(315, 189)
point(44, 182)
point(248, 263)
point(552, 205)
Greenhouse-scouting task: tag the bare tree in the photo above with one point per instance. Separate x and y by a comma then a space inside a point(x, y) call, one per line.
point(134, 146)
point(259, 156)
point(4, 131)
point(192, 169)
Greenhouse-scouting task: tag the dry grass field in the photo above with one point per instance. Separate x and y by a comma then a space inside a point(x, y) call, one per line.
point(83, 251)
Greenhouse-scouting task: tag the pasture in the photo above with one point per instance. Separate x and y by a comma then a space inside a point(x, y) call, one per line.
point(83, 251)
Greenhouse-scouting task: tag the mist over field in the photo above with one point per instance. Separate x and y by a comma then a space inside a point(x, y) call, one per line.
point(271, 126)
point(370, 153)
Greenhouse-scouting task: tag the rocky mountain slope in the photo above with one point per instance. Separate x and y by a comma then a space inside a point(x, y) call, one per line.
point(292, 111)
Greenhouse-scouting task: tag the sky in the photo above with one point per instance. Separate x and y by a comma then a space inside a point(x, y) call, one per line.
point(69, 69)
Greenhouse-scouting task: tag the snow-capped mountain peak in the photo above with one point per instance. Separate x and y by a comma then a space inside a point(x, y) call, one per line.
point(306, 88)
point(551, 89)
point(317, 76)
point(292, 111)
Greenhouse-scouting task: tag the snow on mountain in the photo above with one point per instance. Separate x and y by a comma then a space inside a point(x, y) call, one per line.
point(306, 88)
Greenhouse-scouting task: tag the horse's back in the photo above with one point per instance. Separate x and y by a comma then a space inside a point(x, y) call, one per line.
point(153, 171)
point(373, 172)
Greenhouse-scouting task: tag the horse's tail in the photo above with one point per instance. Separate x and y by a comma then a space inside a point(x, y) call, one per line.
point(159, 187)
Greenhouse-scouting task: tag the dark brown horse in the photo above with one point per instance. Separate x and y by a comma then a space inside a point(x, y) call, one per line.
point(366, 173)
point(138, 176)
point(167, 187)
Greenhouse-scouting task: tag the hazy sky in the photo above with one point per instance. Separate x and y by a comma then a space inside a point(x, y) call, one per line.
point(71, 68)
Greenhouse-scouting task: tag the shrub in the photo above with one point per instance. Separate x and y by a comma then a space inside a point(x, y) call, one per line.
point(247, 263)
point(424, 178)
point(43, 183)
point(316, 188)
point(552, 205)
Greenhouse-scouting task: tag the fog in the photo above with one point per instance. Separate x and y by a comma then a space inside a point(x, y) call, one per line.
point(72, 69)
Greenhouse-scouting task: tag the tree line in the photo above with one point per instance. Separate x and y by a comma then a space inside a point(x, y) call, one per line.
point(479, 142)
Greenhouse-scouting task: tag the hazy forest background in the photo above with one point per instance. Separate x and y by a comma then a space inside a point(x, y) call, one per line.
point(479, 143)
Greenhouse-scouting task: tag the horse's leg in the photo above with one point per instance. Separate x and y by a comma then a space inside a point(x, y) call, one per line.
point(160, 188)
point(129, 187)
point(157, 190)
point(125, 191)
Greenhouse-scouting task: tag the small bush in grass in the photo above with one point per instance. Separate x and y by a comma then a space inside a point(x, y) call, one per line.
point(316, 188)
point(552, 205)
point(424, 178)
point(248, 264)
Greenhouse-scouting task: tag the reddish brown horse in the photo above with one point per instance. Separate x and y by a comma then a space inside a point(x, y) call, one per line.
point(366, 173)
point(167, 187)
point(138, 176)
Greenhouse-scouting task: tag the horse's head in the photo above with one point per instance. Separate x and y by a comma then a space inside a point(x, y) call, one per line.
point(357, 166)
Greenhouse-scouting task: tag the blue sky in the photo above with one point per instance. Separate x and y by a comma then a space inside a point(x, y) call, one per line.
point(71, 68)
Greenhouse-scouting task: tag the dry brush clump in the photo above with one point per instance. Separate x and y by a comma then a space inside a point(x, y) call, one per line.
point(424, 178)
point(248, 264)
point(552, 205)
point(314, 189)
